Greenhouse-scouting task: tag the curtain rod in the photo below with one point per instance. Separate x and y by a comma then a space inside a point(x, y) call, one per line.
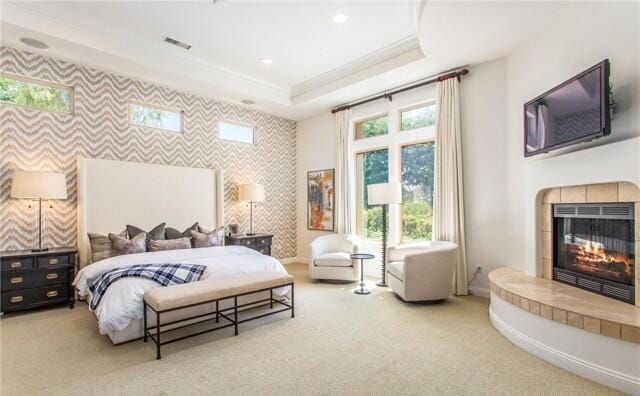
point(389, 94)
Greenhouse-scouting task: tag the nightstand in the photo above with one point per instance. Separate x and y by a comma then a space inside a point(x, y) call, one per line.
point(258, 242)
point(36, 279)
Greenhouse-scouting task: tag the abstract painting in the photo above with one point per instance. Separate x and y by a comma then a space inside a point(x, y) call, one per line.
point(321, 195)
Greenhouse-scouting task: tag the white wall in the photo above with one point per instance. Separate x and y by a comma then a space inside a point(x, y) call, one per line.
point(545, 61)
point(316, 148)
point(484, 144)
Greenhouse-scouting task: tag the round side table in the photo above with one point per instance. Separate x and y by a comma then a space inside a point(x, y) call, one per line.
point(361, 289)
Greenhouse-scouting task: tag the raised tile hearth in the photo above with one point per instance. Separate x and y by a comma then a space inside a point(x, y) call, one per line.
point(567, 305)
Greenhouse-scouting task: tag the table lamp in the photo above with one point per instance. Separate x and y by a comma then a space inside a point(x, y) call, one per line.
point(251, 193)
point(384, 194)
point(39, 186)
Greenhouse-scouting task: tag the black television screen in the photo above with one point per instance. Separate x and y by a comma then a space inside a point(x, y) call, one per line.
point(574, 111)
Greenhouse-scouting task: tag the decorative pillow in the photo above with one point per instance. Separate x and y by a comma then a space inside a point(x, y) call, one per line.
point(169, 244)
point(156, 233)
point(209, 239)
point(172, 233)
point(101, 246)
point(122, 245)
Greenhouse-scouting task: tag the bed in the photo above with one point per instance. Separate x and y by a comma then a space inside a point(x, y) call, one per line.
point(112, 194)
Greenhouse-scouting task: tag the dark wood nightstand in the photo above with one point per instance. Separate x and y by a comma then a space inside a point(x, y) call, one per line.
point(259, 242)
point(36, 279)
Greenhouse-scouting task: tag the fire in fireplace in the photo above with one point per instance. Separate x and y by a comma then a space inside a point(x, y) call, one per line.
point(594, 248)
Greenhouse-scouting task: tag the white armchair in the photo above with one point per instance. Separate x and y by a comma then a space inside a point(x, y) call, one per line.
point(329, 258)
point(422, 271)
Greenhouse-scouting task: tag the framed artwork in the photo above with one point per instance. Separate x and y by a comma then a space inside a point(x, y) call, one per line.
point(320, 200)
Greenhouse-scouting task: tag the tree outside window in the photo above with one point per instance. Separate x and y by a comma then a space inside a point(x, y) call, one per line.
point(417, 191)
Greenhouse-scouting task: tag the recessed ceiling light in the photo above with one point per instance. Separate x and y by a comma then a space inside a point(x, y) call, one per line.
point(248, 101)
point(340, 18)
point(33, 43)
point(266, 61)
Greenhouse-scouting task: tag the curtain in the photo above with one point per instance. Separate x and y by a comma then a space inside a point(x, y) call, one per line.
point(448, 211)
point(343, 205)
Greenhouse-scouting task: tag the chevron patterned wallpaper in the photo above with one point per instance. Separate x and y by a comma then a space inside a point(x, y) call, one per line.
point(41, 140)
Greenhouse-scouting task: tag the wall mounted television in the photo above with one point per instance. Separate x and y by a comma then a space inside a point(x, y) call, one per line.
point(575, 111)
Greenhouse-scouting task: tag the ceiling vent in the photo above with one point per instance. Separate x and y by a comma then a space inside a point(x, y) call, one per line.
point(177, 43)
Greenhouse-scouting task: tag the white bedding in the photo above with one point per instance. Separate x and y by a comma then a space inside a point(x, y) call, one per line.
point(122, 302)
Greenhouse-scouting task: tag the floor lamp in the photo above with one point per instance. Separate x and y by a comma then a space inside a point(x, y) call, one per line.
point(251, 193)
point(39, 186)
point(384, 194)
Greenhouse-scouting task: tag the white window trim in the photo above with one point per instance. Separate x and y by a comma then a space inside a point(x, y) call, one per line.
point(393, 141)
point(239, 123)
point(413, 107)
point(31, 80)
point(155, 107)
point(369, 118)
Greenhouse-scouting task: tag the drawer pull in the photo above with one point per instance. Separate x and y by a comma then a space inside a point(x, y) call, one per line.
point(16, 264)
point(16, 279)
point(52, 276)
point(16, 299)
point(53, 293)
point(53, 261)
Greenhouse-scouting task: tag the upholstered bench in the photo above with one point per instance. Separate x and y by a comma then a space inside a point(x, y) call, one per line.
point(172, 298)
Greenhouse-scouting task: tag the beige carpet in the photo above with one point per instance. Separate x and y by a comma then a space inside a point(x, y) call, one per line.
point(338, 343)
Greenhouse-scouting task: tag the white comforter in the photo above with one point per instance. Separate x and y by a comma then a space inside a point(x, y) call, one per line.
point(122, 302)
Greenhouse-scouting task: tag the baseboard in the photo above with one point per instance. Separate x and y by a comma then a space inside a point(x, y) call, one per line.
point(612, 378)
point(480, 291)
point(293, 260)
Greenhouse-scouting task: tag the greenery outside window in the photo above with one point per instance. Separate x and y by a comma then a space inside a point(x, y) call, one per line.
point(157, 117)
point(372, 167)
point(417, 191)
point(24, 91)
point(371, 127)
point(420, 116)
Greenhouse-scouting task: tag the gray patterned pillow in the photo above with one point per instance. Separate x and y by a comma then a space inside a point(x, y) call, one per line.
point(209, 239)
point(101, 246)
point(169, 244)
point(156, 233)
point(172, 233)
point(122, 245)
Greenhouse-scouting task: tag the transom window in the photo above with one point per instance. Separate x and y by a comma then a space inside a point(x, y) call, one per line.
point(157, 117)
point(235, 132)
point(420, 116)
point(375, 126)
point(24, 91)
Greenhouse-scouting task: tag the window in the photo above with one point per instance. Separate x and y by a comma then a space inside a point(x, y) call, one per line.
point(235, 132)
point(417, 191)
point(418, 117)
point(24, 91)
point(156, 117)
point(372, 167)
point(372, 127)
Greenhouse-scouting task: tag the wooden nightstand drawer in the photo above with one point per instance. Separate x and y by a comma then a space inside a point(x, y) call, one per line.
point(52, 276)
point(19, 298)
point(265, 249)
point(247, 242)
point(53, 261)
point(53, 293)
point(19, 280)
point(13, 264)
point(263, 241)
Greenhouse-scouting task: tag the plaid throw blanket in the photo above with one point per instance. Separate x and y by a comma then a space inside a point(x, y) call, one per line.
point(164, 274)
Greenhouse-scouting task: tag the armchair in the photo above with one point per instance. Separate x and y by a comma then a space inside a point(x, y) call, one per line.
point(422, 271)
point(329, 258)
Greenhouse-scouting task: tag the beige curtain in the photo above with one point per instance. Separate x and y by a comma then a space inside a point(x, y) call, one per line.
point(448, 222)
point(343, 174)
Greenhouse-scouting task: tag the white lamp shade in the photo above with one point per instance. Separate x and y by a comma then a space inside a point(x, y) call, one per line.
point(251, 192)
point(385, 193)
point(38, 185)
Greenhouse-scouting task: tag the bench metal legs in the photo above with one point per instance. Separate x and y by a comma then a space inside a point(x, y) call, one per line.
point(235, 321)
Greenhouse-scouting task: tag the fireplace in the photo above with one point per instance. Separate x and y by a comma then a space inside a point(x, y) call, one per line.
point(594, 248)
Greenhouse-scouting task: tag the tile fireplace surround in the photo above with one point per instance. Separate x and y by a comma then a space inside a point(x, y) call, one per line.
point(590, 193)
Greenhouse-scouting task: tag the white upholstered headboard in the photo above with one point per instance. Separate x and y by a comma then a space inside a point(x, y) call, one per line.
point(112, 194)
